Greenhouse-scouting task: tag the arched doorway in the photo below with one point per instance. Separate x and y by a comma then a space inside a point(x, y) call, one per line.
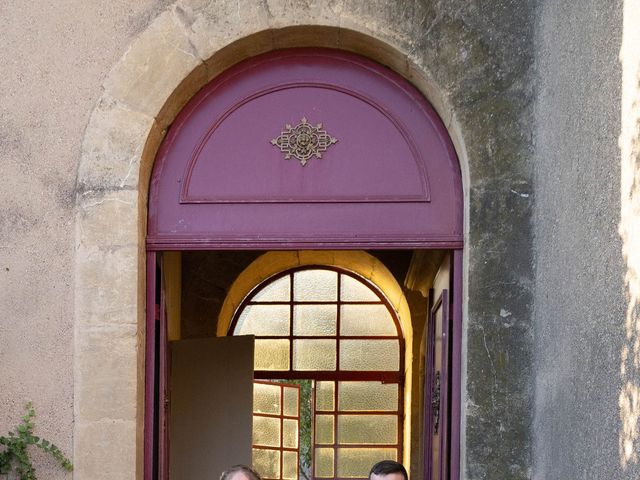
point(339, 337)
point(311, 149)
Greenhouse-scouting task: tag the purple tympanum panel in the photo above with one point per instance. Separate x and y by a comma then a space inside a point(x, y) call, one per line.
point(379, 170)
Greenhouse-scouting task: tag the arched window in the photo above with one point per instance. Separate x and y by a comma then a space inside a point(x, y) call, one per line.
point(339, 332)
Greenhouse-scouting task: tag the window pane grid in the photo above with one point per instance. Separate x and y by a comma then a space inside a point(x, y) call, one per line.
point(310, 319)
point(286, 449)
point(352, 460)
point(318, 336)
point(291, 417)
point(273, 461)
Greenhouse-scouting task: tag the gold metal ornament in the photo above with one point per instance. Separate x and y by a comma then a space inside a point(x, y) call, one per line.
point(303, 141)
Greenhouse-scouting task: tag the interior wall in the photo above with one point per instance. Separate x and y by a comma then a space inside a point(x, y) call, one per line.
point(206, 279)
point(419, 279)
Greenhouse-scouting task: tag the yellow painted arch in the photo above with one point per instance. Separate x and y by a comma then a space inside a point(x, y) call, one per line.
point(359, 262)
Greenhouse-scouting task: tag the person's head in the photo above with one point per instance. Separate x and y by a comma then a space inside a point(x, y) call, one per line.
point(388, 470)
point(240, 472)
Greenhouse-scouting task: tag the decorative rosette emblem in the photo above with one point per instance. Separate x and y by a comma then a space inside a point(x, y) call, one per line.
point(303, 141)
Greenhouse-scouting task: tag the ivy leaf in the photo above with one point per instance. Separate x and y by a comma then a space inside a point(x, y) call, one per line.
point(15, 459)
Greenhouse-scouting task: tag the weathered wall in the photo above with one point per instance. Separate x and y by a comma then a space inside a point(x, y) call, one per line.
point(477, 56)
point(482, 52)
point(54, 59)
point(580, 293)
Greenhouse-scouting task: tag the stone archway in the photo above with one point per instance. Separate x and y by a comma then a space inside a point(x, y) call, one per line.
point(181, 50)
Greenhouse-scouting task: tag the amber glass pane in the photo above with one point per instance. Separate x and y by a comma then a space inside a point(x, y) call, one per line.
point(290, 401)
point(314, 354)
point(266, 398)
point(290, 433)
point(266, 431)
point(315, 320)
point(324, 429)
point(315, 285)
point(356, 462)
point(267, 463)
point(366, 320)
point(263, 320)
point(359, 396)
point(325, 396)
point(369, 355)
point(289, 465)
point(368, 429)
point(271, 355)
point(277, 291)
point(353, 290)
point(324, 462)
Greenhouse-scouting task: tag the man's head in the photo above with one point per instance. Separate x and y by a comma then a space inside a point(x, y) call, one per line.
point(388, 470)
point(240, 472)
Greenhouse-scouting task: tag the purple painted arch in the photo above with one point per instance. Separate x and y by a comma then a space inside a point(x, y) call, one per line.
point(379, 168)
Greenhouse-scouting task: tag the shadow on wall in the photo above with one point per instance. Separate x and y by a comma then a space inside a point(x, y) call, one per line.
point(629, 229)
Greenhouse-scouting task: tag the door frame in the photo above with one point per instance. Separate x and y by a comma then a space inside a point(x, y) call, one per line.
point(434, 222)
point(155, 445)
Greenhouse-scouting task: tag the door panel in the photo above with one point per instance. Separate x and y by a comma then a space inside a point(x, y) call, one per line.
point(440, 387)
point(438, 381)
point(210, 421)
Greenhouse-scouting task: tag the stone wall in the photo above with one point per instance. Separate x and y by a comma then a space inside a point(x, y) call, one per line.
point(92, 87)
point(54, 59)
point(586, 402)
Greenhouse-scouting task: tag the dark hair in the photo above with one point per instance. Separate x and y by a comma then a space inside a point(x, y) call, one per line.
point(252, 474)
point(385, 467)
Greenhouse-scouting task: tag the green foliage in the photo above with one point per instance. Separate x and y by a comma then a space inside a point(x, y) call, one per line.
point(15, 457)
point(306, 427)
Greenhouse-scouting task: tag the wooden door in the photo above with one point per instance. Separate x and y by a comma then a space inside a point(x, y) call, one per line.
point(211, 402)
point(381, 172)
point(438, 382)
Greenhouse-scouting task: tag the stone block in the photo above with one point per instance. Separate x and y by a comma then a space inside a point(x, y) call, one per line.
point(307, 36)
point(215, 25)
point(105, 450)
point(107, 285)
point(107, 218)
point(312, 12)
point(111, 149)
point(246, 47)
point(153, 67)
point(359, 39)
point(182, 93)
point(107, 372)
point(391, 23)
